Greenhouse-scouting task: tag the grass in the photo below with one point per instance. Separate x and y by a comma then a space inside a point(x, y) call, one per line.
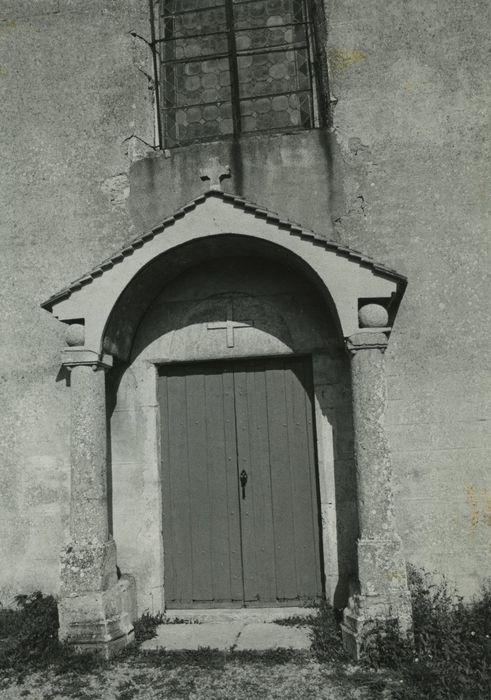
point(146, 626)
point(450, 654)
point(36, 666)
point(448, 658)
point(201, 675)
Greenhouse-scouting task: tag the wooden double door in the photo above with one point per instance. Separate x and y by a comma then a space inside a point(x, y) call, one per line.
point(240, 497)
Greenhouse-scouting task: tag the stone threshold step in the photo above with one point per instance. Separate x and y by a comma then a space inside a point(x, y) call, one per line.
point(228, 636)
point(244, 615)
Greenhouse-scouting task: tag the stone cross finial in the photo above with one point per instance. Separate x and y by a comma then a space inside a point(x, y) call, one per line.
point(215, 172)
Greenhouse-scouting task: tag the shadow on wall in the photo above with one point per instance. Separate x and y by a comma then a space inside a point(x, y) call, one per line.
point(336, 406)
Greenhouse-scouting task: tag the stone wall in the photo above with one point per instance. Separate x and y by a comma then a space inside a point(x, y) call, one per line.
point(401, 177)
point(71, 94)
point(412, 128)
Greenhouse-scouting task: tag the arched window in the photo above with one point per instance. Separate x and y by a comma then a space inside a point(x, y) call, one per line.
point(230, 67)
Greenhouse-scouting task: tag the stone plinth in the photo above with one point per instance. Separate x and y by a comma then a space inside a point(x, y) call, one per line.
point(96, 609)
point(99, 621)
point(381, 592)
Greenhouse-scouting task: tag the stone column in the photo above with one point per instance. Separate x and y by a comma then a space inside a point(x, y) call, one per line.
point(96, 605)
point(88, 498)
point(381, 592)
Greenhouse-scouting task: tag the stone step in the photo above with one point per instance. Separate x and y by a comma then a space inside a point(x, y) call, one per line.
point(245, 615)
point(228, 636)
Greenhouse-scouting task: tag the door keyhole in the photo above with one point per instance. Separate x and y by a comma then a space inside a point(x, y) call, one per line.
point(243, 482)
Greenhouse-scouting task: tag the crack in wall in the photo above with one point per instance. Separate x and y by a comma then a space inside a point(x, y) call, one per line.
point(359, 205)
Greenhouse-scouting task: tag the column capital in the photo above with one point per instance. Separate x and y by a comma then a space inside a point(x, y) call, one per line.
point(75, 357)
point(367, 339)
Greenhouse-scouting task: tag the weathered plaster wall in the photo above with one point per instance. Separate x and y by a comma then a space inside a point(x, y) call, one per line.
point(403, 176)
point(412, 130)
point(287, 173)
point(405, 181)
point(71, 93)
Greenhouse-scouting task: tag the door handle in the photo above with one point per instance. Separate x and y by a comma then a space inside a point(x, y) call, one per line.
point(243, 482)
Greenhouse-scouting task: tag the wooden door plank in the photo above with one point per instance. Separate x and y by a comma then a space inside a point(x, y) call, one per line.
point(199, 487)
point(237, 589)
point(178, 573)
point(222, 469)
point(216, 467)
point(256, 509)
point(244, 464)
point(279, 450)
point(260, 487)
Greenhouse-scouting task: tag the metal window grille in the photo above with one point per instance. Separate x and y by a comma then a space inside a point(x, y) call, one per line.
point(229, 67)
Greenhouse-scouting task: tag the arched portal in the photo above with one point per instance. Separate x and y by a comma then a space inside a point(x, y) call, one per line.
point(162, 301)
point(237, 361)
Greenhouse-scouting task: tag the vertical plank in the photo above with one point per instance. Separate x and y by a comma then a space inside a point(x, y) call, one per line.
point(178, 574)
point(248, 545)
point(198, 486)
point(261, 486)
point(256, 509)
point(282, 497)
point(230, 429)
point(221, 466)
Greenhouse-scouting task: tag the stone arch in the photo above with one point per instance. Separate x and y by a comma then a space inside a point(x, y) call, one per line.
point(140, 291)
point(161, 336)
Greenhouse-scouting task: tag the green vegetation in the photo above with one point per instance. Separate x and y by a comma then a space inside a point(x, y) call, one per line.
point(448, 658)
point(29, 634)
point(450, 654)
point(146, 626)
point(326, 635)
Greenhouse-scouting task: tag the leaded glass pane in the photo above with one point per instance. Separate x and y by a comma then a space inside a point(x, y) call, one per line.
point(197, 82)
point(231, 66)
point(266, 73)
point(207, 20)
point(263, 13)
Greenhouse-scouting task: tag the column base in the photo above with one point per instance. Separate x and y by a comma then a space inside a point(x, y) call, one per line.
point(99, 621)
point(363, 614)
point(96, 609)
point(381, 595)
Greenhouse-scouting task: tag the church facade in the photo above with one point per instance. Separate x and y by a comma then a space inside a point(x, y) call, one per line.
point(267, 382)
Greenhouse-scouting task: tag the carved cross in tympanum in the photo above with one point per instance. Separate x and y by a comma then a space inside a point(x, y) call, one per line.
point(229, 325)
point(215, 172)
